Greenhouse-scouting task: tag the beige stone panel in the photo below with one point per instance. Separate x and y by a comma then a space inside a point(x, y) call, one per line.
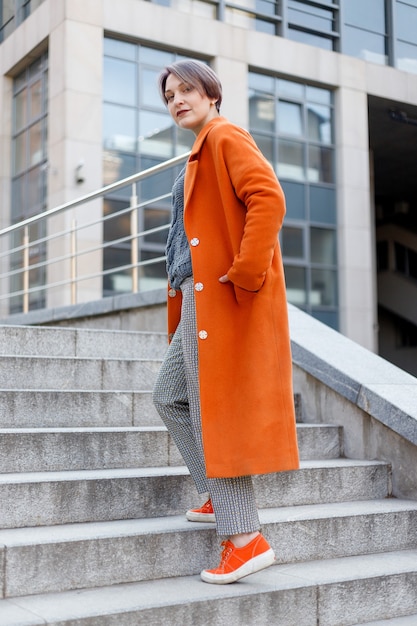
point(83, 59)
point(56, 9)
point(386, 82)
point(234, 78)
point(352, 118)
point(56, 174)
point(164, 26)
point(292, 59)
point(412, 88)
point(353, 169)
point(357, 248)
point(57, 118)
point(56, 61)
point(90, 154)
point(87, 11)
point(26, 42)
point(83, 116)
point(351, 72)
point(355, 205)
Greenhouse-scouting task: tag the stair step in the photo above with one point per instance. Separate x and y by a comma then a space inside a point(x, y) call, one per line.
point(406, 620)
point(62, 408)
point(60, 558)
point(80, 342)
point(50, 498)
point(61, 449)
point(72, 373)
point(336, 592)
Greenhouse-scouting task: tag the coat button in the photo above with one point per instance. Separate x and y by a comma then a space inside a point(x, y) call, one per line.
point(195, 241)
point(172, 293)
point(199, 286)
point(203, 334)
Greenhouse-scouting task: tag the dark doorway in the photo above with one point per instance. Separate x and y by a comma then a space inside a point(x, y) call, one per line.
point(393, 145)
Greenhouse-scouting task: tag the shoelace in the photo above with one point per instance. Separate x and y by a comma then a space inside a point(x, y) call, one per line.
point(227, 551)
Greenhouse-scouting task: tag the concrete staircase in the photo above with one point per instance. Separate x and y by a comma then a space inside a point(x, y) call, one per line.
point(93, 494)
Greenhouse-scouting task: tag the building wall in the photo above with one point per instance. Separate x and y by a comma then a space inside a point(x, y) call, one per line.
point(73, 32)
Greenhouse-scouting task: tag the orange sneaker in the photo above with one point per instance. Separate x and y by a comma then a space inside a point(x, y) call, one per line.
point(204, 514)
point(236, 563)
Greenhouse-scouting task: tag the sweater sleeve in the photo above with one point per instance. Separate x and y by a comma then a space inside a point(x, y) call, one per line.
point(257, 187)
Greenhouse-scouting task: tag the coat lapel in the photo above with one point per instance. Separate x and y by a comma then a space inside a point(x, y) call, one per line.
point(192, 165)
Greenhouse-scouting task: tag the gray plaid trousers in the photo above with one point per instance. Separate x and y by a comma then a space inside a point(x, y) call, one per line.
point(176, 398)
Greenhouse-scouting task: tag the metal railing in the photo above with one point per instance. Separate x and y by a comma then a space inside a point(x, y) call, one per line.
point(21, 256)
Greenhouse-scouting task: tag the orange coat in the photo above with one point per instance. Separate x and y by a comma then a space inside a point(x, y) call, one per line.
point(233, 210)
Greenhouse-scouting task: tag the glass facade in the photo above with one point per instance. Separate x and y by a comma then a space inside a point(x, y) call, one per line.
point(379, 31)
point(13, 13)
point(406, 33)
point(29, 168)
point(292, 124)
point(138, 133)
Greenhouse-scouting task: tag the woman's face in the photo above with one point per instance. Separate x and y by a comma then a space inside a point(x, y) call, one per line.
point(188, 107)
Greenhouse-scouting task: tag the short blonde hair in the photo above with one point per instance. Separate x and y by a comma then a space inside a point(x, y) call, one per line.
point(194, 73)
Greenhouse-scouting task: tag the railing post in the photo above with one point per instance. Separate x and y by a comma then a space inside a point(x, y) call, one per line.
point(26, 269)
point(73, 262)
point(134, 253)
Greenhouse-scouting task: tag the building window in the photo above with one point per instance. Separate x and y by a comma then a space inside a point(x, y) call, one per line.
point(29, 168)
point(138, 133)
point(292, 124)
point(13, 13)
point(406, 33)
point(365, 30)
point(313, 22)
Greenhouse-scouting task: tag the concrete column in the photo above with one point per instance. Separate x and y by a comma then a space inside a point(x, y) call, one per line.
point(75, 139)
point(6, 85)
point(356, 249)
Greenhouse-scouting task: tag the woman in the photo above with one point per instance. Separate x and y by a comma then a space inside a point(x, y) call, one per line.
point(225, 388)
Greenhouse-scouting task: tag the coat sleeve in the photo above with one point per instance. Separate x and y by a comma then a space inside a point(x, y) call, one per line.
point(240, 163)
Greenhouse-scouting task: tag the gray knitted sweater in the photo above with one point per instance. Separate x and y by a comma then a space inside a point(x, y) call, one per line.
point(177, 248)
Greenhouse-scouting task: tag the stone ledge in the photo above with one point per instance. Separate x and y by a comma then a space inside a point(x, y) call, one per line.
point(378, 387)
point(105, 306)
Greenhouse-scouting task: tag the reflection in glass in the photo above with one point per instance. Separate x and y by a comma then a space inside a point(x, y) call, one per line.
point(369, 15)
point(319, 123)
point(35, 143)
point(295, 278)
point(295, 200)
point(20, 108)
point(312, 39)
point(35, 100)
point(261, 112)
point(119, 83)
point(322, 204)
point(320, 164)
point(292, 240)
point(185, 140)
point(117, 165)
point(118, 48)
point(406, 57)
point(365, 45)
point(323, 287)
point(406, 21)
point(290, 119)
point(148, 88)
point(317, 94)
point(323, 246)
point(290, 160)
point(156, 134)
point(310, 16)
point(261, 82)
point(287, 88)
point(19, 153)
point(119, 128)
